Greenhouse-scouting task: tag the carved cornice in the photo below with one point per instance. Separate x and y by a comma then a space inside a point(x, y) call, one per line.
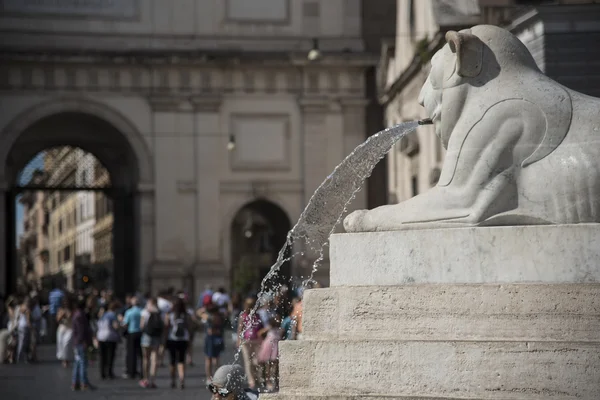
point(206, 103)
point(165, 85)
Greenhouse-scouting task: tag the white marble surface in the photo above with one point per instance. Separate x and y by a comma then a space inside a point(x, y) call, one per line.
point(545, 254)
point(521, 148)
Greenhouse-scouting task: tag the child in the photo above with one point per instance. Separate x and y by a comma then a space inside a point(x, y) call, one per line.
point(269, 353)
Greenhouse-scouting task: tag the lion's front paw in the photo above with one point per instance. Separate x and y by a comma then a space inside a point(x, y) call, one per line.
point(355, 221)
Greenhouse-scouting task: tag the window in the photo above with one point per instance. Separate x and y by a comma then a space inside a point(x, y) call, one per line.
point(411, 18)
point(60, 226)
point(67, 253)
point(415, 185)
point(269, 11)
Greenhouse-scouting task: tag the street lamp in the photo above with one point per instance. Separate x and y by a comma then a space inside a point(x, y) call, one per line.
point(314, 53)
point(231, 143)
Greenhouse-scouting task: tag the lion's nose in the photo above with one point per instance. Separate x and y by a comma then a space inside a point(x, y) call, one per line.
point(421, 98)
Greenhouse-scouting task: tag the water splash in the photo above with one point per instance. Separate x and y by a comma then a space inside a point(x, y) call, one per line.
point(329, 203)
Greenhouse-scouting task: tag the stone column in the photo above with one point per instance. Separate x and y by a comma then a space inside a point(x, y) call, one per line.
point(145, 212)
point(211, 153)
point(3, 241)
point(316, 160)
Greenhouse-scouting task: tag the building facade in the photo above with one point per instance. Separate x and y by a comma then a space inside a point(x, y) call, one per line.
point(562, 36)
point(33, 242)
point(196, 111)
point(85, 215)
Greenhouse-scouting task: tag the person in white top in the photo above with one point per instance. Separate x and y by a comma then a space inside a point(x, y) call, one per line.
point(222, 300)
point(164, 306)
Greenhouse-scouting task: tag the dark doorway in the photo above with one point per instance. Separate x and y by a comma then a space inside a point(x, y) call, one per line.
point(69, 225)
point(258, 232)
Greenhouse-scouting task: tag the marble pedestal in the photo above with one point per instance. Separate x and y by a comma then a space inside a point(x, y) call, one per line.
point(468, 313)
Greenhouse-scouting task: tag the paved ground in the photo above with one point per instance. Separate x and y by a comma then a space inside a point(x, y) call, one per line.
point(47, 380)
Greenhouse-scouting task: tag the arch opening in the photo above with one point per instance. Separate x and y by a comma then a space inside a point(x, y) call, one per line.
point(71, 203)
point(258, 232)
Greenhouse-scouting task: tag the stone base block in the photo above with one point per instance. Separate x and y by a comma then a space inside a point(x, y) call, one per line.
point(547, 254)
point(509, 312)
point(442, 369)
point(307, 396)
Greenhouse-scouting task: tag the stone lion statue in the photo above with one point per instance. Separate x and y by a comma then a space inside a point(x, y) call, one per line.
point(521, 148)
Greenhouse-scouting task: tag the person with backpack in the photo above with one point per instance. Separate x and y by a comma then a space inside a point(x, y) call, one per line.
point(178, 328)
point(214, 341)
point(152, 325)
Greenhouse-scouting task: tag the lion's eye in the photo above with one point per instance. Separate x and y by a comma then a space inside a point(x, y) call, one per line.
point(434, 78)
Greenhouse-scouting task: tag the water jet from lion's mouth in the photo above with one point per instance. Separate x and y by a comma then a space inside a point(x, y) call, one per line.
point(329, 203)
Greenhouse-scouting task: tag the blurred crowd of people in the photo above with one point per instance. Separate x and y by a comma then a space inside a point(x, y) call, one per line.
point(90, 325)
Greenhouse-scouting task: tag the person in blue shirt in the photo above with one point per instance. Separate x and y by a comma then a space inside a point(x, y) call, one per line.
point(55, 300)
point(132, 320)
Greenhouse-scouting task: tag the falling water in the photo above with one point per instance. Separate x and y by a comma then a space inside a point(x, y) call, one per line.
point(330, 201)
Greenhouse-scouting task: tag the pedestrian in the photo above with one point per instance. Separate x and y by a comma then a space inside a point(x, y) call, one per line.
point(288, 322)
point(249, 340)
point(269, 353)
point(178, 328)
point(23, 320)
point(164, 304)
point(55, 300)
point(214, 342)
point(229, 383)
point(36, 324)
point(82, 341)
point(108, 337)
point(64, 333)
point(131, 321)
point(152, 324)
point(297, 320)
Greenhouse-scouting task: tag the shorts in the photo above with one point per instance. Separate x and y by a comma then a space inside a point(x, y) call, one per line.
point(213, 346)
point(149, 341)
point(177, 351)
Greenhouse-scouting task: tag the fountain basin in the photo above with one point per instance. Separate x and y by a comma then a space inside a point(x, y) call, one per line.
point(490, 313)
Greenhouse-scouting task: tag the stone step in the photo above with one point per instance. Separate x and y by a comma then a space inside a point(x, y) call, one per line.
point(502, 254)
point(521, 312)
point(307, 396)
point(450, 370)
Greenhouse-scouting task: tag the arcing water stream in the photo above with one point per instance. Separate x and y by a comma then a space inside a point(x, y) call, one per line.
point(330, 201)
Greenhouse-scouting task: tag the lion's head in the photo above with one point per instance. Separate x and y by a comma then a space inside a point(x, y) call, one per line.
point(470, 59)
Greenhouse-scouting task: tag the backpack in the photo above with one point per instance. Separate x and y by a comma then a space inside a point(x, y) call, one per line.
point(180, 326)
point(154, 325)
point(207, 300)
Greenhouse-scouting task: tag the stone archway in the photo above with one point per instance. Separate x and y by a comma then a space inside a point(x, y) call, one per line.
point(258, 232)
point(114, 141)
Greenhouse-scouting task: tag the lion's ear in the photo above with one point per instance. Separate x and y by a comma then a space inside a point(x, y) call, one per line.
point(469, 53)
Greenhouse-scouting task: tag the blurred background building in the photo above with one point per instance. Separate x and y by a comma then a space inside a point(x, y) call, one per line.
point(153, 144)
point(563, 37)
point(215, 120)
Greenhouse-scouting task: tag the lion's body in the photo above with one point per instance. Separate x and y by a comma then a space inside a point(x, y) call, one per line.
point(521, 148)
